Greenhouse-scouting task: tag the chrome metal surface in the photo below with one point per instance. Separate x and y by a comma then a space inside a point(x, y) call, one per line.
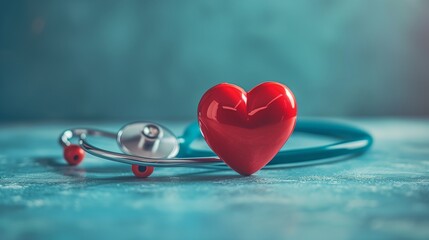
point(152, 131)
point(147, 139)
point(147, 161)
point(68, 134)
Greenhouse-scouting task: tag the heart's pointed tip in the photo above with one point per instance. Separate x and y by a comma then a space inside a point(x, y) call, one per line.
point(245, 173)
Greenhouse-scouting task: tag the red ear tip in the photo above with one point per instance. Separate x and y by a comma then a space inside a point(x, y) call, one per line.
point(142, 171)
point(74, 154)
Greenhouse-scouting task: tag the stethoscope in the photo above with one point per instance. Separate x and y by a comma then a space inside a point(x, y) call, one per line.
point(147, 145)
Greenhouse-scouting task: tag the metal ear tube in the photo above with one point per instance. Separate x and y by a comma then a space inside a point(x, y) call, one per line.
point(147, 145)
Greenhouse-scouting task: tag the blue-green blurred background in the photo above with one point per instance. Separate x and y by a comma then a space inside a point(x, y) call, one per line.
point(131, 60)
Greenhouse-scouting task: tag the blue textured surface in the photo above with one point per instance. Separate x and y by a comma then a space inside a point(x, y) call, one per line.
point(380, 195)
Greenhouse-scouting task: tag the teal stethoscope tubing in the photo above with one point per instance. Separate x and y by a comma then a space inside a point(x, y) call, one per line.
point(352, 141)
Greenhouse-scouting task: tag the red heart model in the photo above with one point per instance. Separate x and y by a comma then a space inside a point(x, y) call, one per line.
point(246, 130)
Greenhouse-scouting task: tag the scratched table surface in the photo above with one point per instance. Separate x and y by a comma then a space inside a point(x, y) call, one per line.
point(383, 194)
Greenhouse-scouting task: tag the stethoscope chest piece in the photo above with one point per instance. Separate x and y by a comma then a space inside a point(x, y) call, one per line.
point(147, 139)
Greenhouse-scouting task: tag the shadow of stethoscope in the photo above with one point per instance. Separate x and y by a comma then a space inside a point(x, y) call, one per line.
point(84, 173)
point(88, 173)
